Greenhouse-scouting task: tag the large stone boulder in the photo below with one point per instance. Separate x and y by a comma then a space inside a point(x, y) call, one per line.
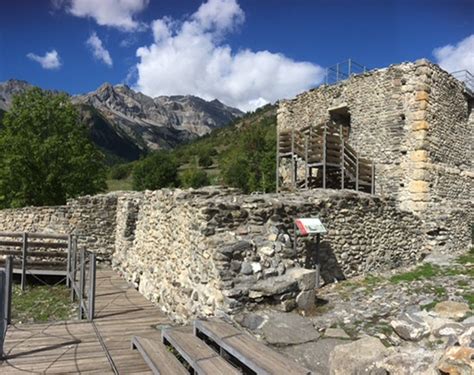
point(452, 309)
point(457, 360)
point(357, 357)
point(410, 327)
point(288, 329)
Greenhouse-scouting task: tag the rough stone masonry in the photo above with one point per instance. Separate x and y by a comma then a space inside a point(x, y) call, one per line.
point(416, 122)
point(216, 251)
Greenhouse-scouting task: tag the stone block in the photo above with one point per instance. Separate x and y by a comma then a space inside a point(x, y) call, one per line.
point(306, 278)
point(305, 299)
point(355, 357)
point(418, 186)
point(419, 115)
point(421, 95)
point(419, 156)
point(419, 125)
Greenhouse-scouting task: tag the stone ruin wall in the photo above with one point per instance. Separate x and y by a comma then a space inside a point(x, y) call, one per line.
point(92, 218)
point(416, 122)
point(209, 251)
point(216, 251)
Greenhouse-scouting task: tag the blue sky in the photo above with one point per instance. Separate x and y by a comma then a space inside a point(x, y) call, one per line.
point(244, 52)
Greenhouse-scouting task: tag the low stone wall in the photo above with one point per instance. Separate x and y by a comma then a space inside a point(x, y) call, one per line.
point(210, 251)
point(92, 218)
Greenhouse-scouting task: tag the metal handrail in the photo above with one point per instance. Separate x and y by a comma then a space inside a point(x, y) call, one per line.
point(466, 77)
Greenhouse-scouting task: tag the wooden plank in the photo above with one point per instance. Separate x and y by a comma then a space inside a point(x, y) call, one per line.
point(196, 353)
point(160, 360)
point(255, 355)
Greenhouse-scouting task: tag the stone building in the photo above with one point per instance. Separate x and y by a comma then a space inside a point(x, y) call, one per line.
point(415, 121)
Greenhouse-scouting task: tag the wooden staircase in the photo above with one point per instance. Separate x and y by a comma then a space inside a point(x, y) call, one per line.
point(212, 347)
point(324, 149)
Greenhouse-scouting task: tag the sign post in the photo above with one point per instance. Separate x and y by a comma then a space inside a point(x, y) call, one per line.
point(308, 227)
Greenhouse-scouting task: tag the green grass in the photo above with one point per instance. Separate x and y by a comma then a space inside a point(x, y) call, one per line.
point(469, 297)
point(424, 271)
point(116, 185)
point(41, 303)
point(467, 258)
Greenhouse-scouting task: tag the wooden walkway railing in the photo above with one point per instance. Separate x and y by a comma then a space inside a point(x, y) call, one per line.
point(324, 147)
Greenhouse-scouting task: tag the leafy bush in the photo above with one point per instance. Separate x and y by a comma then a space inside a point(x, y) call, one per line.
point(120, 171)
point(194, 177)
point(250, 164)
point(46, 156)
point(158, 170)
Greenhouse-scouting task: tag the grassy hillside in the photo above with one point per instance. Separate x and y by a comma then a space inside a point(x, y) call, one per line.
point(241, 155)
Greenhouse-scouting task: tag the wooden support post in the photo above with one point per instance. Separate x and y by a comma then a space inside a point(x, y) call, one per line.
point(23, 260)
point(373, 179)
point(317, 266)
point(68, 264)
point(82, 276)
point(324, 157)
point(92, 277)
point(8, 288)
point(357, 172)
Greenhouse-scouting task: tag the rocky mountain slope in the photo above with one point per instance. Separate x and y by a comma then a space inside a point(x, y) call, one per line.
point(125, 123)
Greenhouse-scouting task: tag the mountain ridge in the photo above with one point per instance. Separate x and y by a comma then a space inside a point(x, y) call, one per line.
point(126, 124)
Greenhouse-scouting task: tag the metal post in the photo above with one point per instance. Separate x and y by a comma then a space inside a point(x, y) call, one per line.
point(293, 169)
point(73, 274)
point(8, 288)
point(277, 182)
point(327, 74)
point(349, 68)
point(306, 161)
point(337, 72)
point(68, 265)
point(324, 157)
point(82, 276)
point(3, 321)
point(357, 172)
point(317, 266)
point(23, 261)
point(295, 235)
point(92, 276)
point(74, 265)
point(342, 158)
point(372, 190)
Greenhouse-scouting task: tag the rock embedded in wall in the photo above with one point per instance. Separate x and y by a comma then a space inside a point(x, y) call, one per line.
point(216, 251)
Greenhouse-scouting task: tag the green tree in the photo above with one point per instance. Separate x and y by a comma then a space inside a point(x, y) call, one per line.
point(194, 177)
point(156, 171)
point(250, 164)
point(46, 156)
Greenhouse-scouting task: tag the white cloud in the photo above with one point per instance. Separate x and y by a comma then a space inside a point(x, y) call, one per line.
point(114, 13)
point(49, 61)
point(190, 57)
point(456, 57)
point(98, 50)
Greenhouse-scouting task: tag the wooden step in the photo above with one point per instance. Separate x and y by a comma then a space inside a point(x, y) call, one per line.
point(255, 355)
point(157, 356)
point(196, 353)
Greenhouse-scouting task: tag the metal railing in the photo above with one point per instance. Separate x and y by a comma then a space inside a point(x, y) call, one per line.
point(466, 77)
point(80, 274)
point(342, 71)
point(82, 280)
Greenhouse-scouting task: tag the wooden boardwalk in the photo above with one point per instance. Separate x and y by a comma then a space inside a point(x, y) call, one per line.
point(101, 347)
